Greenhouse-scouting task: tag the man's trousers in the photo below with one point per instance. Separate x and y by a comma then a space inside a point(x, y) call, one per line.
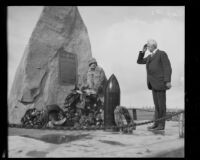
point(159, 98)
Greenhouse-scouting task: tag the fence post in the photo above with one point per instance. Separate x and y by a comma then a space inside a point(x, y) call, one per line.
point(134, 114)
point(181, 125)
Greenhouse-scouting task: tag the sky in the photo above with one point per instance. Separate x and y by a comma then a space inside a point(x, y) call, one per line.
point(117, 34)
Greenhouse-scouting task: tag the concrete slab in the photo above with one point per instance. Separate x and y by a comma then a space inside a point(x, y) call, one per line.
point(54, 143)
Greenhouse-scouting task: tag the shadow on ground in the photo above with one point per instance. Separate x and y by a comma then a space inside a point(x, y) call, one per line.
point(60, 138)
point(175, 153)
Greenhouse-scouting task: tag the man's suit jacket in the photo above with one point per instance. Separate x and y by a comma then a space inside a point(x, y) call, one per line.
point(158, 69)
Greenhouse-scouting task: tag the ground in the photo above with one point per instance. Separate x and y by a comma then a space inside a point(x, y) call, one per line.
point(59, 143)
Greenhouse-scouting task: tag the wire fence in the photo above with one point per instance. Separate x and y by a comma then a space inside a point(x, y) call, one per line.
point(152, 110)
point(98, 127)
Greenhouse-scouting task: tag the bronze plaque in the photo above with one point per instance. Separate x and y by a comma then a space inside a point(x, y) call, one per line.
point(67, 67)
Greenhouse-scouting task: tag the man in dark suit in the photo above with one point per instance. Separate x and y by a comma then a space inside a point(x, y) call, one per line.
point(158, 79)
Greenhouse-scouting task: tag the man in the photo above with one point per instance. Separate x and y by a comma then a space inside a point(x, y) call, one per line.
point(96, 78)
point(158, 79)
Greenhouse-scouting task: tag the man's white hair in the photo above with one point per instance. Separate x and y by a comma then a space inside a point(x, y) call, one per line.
point(152, 42)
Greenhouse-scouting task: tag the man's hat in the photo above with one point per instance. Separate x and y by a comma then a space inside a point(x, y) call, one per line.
point(92, 60)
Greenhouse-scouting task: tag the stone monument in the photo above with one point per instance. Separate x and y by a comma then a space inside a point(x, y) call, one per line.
point(54, 61)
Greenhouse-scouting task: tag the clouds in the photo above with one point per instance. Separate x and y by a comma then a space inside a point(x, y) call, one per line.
point(172, 12)
point(118, 50)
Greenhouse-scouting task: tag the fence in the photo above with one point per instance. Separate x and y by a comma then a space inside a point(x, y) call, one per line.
point(180, 117)
point(146, 113)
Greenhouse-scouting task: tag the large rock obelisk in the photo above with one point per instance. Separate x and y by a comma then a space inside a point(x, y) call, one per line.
point(54, 61)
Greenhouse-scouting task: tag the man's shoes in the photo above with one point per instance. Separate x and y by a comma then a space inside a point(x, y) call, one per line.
point(152, 127)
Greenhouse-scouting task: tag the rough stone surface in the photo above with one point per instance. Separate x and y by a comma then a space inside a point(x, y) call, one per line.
point(36, 82)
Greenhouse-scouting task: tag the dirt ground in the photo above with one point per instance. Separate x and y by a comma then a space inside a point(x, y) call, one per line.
point(59, 143)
